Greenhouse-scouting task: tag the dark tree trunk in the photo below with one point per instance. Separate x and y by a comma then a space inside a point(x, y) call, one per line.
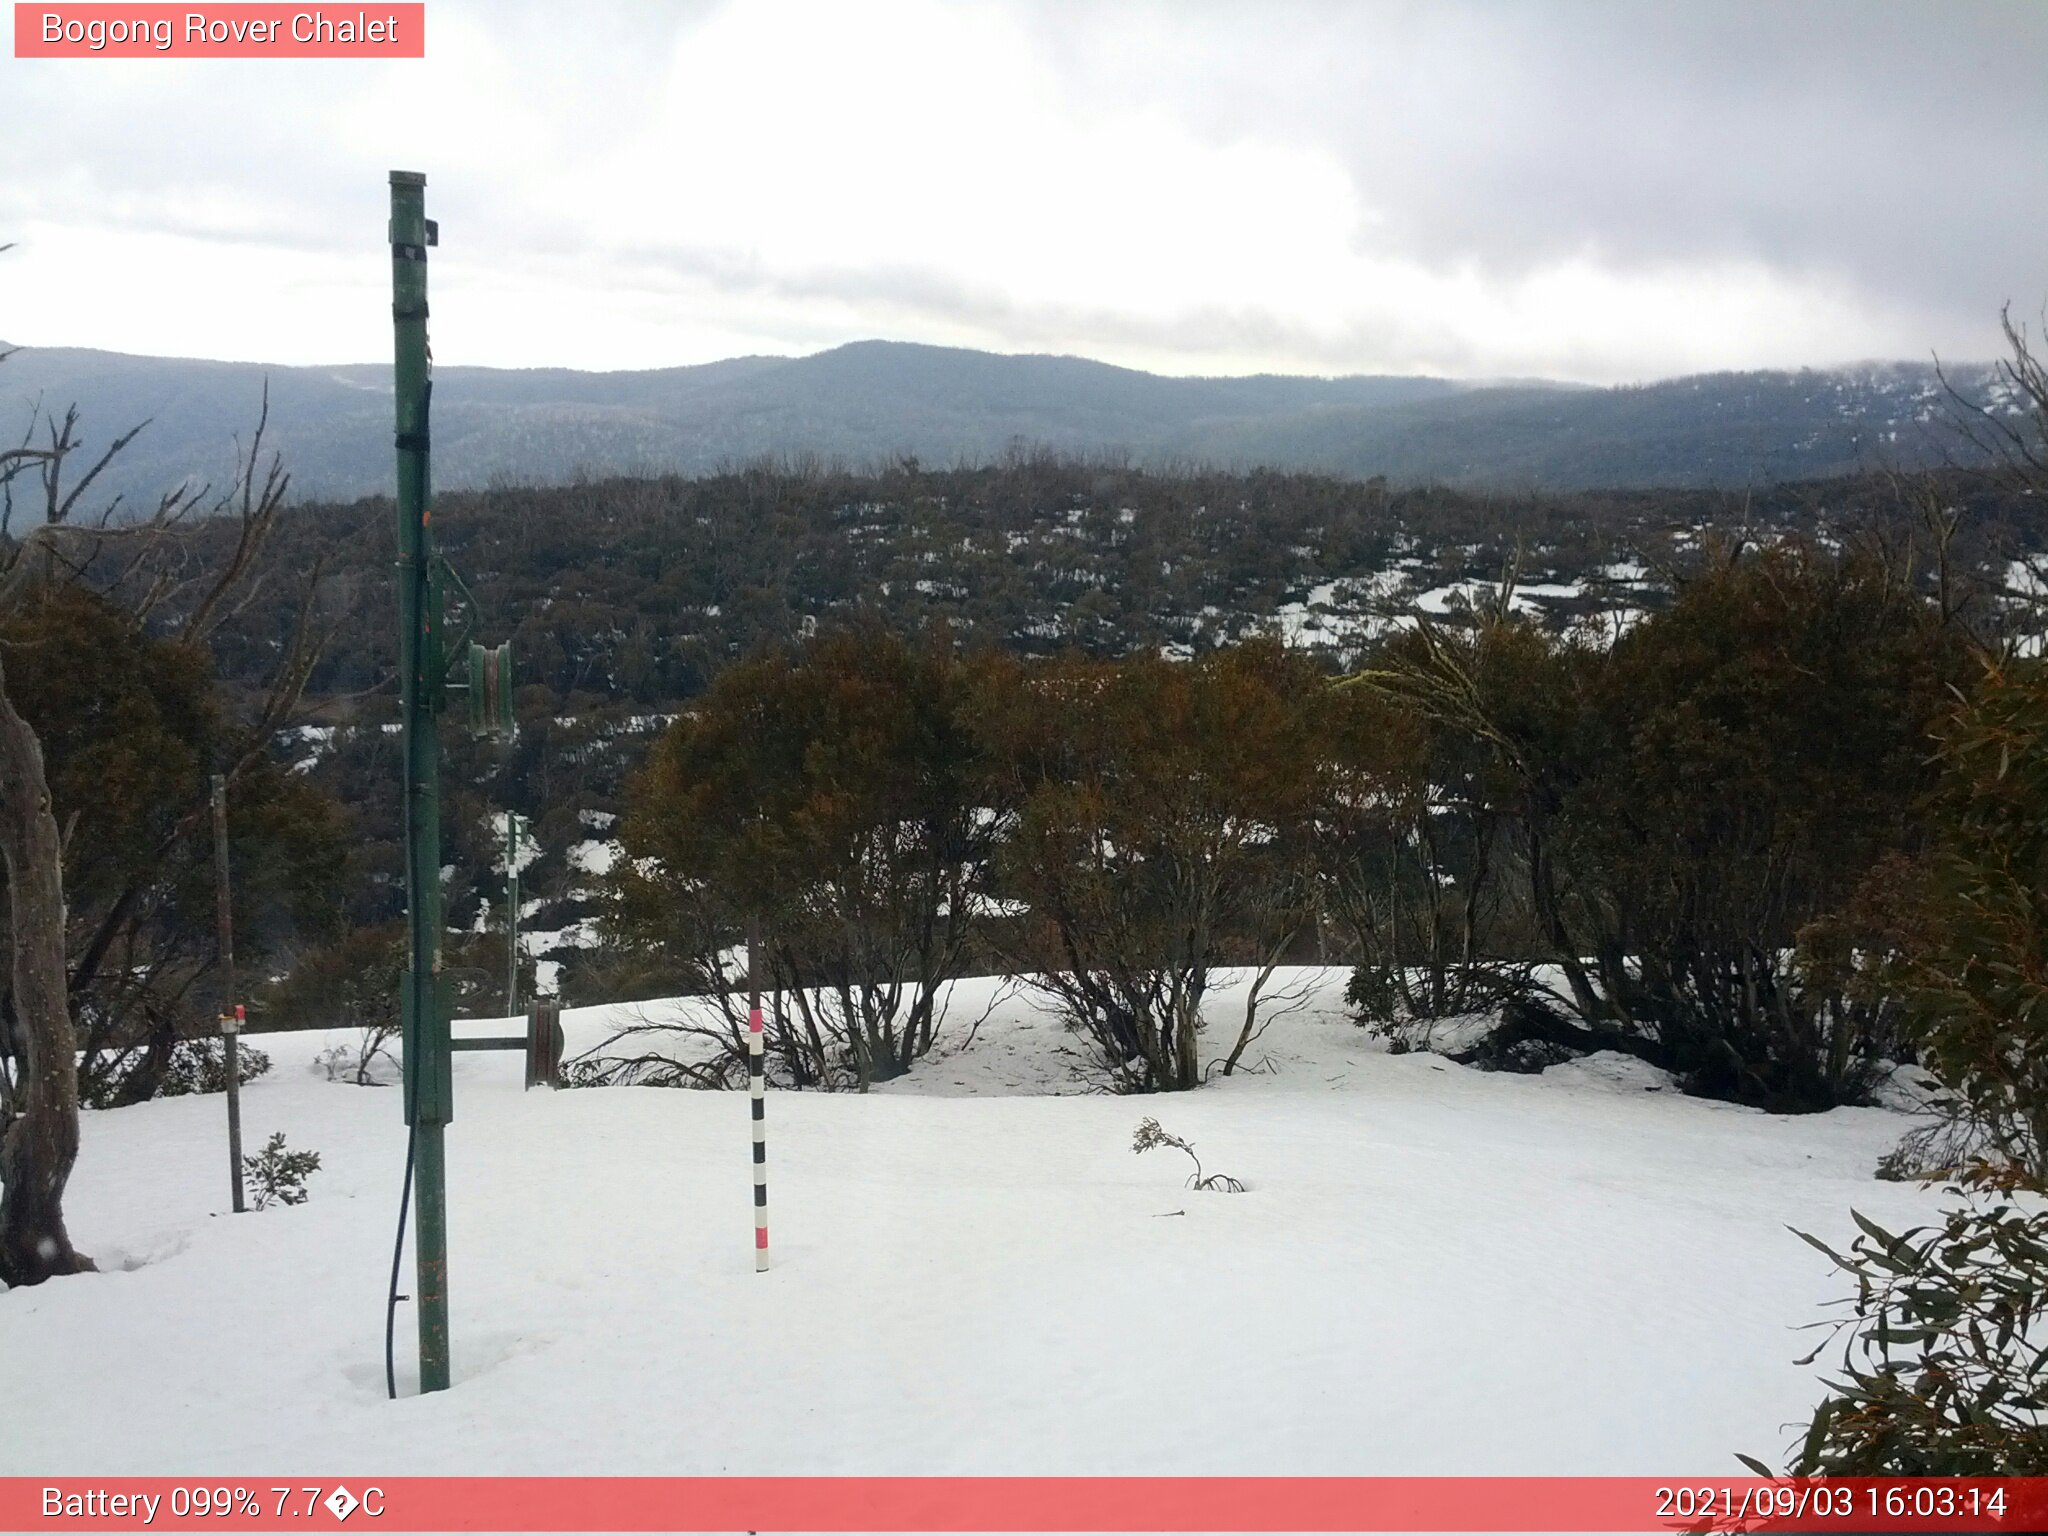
point(147, 1074)
point(41, 1143)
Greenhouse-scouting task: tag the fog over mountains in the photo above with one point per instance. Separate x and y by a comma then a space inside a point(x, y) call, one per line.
point(869, 402)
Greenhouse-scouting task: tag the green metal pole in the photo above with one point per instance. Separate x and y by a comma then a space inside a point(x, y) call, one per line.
point(511, 912)
point(421, 668)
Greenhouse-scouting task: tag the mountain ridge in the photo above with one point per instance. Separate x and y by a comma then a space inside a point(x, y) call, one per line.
point(872, 401)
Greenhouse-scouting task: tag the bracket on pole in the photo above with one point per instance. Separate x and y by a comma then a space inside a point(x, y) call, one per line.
point(490, 690)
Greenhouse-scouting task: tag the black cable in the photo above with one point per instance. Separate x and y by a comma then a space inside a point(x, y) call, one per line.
point(412, 1069)
point(412, 1136)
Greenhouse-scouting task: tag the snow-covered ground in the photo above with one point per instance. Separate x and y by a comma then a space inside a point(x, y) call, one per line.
point(1434, 1270)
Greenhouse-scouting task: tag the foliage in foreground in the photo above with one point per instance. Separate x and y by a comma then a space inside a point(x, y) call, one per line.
point(1944, 1372)
point(1976, 973)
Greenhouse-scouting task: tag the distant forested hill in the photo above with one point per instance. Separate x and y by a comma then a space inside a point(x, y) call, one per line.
point(633, 593)
point(873, 403)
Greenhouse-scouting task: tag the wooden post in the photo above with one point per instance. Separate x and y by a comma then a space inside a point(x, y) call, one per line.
point(231, 1014)
point(544, 1042)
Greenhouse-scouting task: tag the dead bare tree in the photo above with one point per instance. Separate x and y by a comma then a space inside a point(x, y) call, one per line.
point(2010, 434)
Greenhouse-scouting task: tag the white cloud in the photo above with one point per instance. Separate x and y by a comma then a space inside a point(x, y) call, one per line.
point(1186, 188)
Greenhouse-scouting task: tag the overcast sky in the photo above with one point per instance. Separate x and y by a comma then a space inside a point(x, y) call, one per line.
point(1598, 191)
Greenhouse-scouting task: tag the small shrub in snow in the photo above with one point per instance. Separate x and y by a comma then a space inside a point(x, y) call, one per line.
point(279, 1174)
point(1151, 1134)
point(1945, 1370)
point(201, 1066)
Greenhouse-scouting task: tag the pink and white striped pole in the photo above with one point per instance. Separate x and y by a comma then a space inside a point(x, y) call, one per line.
point(757, 1087)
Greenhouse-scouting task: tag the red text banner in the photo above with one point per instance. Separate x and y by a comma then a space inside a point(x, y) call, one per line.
point(261, 31)
point(370, 1503)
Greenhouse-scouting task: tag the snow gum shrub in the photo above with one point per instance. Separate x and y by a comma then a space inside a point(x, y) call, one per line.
point(352, 983)
point(1160, 825)
point(132, 726)
point(194, 1066)
point(829, 797)
point(1414, 842)
point(1694, 809)
point(1944, 1368)
point(1754, 752)
point(278, 1174)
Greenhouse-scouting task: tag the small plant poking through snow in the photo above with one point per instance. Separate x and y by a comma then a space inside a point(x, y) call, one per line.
point(1151, 1134)
point(278, 1174)
point(357, 1062)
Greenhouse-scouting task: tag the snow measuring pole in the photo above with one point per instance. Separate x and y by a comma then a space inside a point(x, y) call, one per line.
point(757, 1094)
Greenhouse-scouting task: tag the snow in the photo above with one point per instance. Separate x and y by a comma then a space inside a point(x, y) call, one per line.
point(1477, 594)
point(1434, 1270)
point(1339, 613)
point(1613, 1072)
point(525, 851)
point(2029, 578)
point(594, 856)
point(1608, 625)
point(1910, 1088)
point(318, 737)
point(581, 934)
point(1458, 1032)
point(1438, 599)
